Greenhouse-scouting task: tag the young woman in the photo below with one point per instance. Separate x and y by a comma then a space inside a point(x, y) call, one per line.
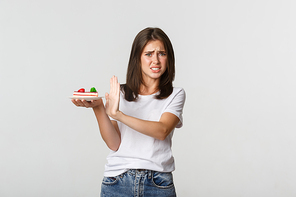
point(138, 120)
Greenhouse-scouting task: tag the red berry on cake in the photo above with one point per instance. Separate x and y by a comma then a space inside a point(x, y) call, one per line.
point(81, 90)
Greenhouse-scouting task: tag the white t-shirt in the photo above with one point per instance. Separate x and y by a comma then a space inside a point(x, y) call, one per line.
point(139, 151)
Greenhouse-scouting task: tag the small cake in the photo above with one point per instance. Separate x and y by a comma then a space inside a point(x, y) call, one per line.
point(81, 93)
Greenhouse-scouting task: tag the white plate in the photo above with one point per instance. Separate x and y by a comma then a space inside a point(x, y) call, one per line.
point(87, 98)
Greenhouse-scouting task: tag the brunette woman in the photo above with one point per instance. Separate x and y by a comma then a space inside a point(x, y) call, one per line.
point(138, 120)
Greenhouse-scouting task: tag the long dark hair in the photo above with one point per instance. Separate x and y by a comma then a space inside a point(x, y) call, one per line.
point(134, 77)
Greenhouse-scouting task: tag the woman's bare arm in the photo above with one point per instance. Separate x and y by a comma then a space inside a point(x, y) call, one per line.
point(108, 129)
point(156, 129)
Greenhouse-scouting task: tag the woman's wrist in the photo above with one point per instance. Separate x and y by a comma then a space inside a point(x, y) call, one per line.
point(119, 115)
point(98, 108)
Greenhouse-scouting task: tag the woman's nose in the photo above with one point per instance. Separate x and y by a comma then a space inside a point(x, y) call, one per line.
point(155, 59)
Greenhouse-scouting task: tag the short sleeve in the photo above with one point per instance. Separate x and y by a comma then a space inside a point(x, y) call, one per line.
point(176, 105)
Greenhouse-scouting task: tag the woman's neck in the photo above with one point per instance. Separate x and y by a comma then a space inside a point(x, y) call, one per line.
point(148, 90)
point(149, 86)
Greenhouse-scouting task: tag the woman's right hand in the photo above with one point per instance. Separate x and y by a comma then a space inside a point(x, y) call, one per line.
point(87, 104)
point(112, 99)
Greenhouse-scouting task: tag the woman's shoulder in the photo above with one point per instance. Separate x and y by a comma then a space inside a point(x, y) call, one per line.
point(178, 90)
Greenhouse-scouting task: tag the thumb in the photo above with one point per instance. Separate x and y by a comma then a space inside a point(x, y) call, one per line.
point(107, 99)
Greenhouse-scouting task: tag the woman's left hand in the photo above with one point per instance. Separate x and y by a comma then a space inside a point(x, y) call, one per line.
point(112, 99)
point(87, 104)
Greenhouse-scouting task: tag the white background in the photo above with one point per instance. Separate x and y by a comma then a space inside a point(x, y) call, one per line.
point(235, 59)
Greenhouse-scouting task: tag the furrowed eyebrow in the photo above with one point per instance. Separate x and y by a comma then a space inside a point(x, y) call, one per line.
point(153, 51)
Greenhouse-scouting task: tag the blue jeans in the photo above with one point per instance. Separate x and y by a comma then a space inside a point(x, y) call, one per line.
point(139, 183)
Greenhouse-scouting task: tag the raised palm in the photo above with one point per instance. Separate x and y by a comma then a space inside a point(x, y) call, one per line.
point(112, 99)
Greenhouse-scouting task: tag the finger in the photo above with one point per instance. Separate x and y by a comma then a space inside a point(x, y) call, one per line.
point(74, 102)
point(85, 103)
point(115, 85)
point(111, 85)
point(107, 97)
point(79, 103)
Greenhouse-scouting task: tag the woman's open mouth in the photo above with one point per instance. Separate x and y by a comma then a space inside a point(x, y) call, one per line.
point(155, 69)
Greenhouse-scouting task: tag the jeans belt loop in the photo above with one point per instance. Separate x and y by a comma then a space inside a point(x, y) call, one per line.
point(149, 174)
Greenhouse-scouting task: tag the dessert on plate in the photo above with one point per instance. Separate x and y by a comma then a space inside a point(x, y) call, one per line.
point(82, 93)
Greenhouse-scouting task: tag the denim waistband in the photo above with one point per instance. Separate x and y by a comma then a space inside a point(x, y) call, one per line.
point(140, 172)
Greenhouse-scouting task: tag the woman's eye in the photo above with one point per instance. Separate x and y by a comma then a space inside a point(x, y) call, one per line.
point(162, 54)
point(148, 54)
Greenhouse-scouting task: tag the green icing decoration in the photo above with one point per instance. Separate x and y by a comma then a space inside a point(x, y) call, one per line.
point(93, 89)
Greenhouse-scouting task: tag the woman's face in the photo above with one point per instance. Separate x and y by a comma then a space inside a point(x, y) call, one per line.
point(153, 60)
